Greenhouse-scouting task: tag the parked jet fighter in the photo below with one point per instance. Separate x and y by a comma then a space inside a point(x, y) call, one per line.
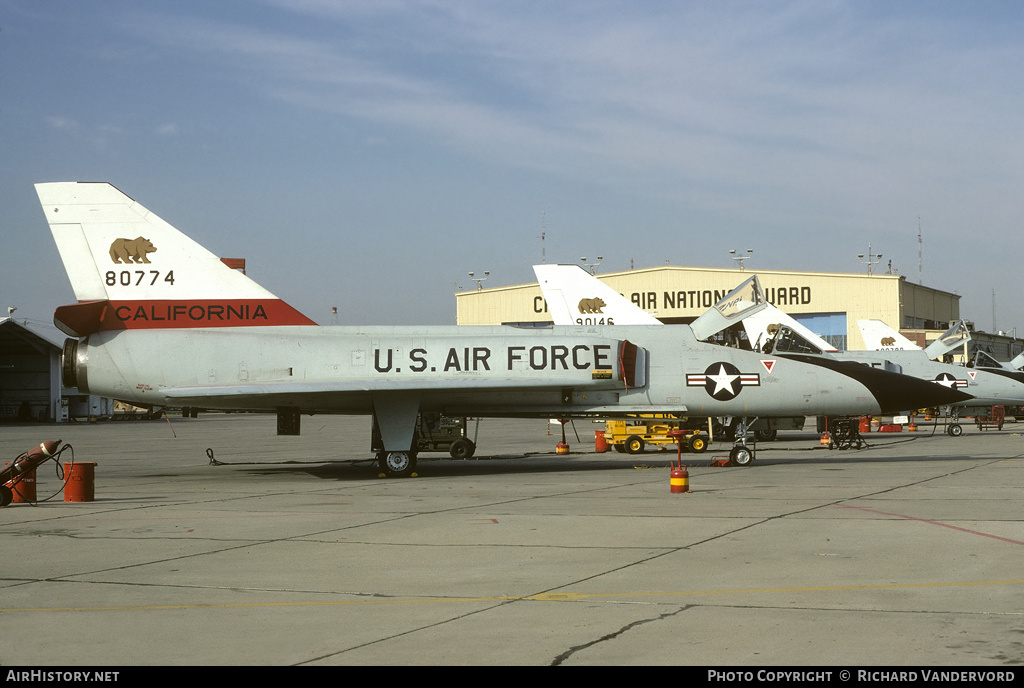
point(161, 321)
point(989, 380)
point(791, 340)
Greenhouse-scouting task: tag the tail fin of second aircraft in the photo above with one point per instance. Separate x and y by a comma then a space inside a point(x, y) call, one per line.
point(880, 337)
point(131, 270)
point(574, 296)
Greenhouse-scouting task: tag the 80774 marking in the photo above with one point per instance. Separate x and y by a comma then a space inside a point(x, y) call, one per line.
point(135, 278)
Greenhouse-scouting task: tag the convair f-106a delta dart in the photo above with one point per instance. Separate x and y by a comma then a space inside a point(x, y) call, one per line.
point(161, 321)
point(771, 331)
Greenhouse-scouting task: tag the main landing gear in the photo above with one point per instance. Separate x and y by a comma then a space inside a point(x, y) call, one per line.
point(394, 415)
point(397, 464)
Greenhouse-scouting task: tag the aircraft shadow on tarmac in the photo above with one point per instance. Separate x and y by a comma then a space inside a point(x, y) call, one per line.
point(443, 467)
point(772, 454)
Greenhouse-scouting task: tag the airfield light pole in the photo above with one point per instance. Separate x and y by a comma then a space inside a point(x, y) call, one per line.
point(478, 280)
point(583, 259)
point(740, 259)
point(872, 258)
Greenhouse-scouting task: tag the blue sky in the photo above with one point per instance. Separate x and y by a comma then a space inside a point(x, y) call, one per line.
point(369, 154)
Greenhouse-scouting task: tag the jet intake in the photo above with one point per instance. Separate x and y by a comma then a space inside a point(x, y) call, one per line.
point(632, 364)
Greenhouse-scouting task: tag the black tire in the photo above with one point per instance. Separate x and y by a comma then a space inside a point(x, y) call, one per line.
point(6, 495)
point(767, 435)
point(462, 449)
point(698, 444)
point(955, 430)
point(397, 464)
point(741, 456)
point(634, 445)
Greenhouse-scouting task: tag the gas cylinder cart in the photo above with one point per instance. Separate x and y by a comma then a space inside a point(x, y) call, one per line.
point(846, 434)
point(17, 479)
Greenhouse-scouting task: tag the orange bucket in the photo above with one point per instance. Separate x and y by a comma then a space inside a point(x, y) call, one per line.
point(80, 485)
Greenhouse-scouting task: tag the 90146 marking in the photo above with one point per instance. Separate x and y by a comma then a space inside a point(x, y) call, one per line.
point(136, 278)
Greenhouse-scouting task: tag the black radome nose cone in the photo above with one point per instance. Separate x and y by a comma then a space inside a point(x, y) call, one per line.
point(894, 391)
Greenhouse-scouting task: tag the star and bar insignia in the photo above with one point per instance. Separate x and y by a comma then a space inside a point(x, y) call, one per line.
point(723, 381)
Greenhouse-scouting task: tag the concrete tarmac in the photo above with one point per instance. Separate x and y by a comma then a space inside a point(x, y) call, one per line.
point(293, 551)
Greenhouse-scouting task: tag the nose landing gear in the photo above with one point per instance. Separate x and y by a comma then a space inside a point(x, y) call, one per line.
point(742, 454)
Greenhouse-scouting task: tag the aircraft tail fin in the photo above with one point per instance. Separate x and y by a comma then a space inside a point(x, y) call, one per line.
point(131, 270)
point(880, 337)
point(575, 297)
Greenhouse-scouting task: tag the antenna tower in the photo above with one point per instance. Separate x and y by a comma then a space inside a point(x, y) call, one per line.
point(920, 276)
point(994, 311)
point(543, 236)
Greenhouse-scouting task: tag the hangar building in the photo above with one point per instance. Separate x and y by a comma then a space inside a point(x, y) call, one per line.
point(829, 304)
point(30, 385)
point(31, 388)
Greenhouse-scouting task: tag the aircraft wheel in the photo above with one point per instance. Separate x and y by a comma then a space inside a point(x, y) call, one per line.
point(741, 456)
point(634, 445)
point(698, 444)
point(955, 430)
point(6, 495)
point(620, 448)
point(398, 464)
point(767, 435)
point(462, 449)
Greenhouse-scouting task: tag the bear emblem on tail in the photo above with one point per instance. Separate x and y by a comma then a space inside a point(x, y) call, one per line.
point(888, 341)
point(591, 305)
point(131, 250)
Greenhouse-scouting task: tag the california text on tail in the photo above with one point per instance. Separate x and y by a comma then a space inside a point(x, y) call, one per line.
point(131, 270)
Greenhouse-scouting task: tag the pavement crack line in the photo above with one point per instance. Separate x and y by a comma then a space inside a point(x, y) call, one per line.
point(560, 659)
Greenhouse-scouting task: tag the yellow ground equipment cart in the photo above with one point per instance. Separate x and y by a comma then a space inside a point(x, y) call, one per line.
point(631, 436)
